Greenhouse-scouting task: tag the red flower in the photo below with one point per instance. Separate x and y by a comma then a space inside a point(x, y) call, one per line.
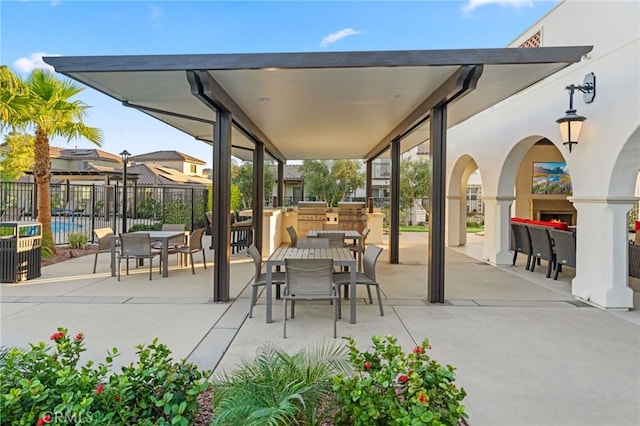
point(99, 389)
point(422, 398)
point(367, 365)
point(418, 350)
point(79, 336)
point(429, 347)
point(43, 420)
point(56, 336)
point(402, 378)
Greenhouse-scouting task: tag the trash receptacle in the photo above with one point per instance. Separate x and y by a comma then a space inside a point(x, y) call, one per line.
point(20, 251)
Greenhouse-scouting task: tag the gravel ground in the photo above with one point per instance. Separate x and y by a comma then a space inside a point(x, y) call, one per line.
point(65, 253)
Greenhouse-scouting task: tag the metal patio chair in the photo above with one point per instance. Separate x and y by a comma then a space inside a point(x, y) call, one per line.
point(368, 277)
point(137, 246)
point(194, 246)
point(260, 278)
point(309, 279)
point(104, 236)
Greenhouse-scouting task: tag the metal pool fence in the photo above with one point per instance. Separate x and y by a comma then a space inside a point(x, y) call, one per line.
point(83, 208)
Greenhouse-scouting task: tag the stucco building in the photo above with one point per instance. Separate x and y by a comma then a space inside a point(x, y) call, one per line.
point(504, 141)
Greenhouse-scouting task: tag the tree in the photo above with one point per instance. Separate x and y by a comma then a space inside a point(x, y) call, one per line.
point(414, 182)
point(46, 109)
point(16, 155)
point(242, 178)
point(331, 184)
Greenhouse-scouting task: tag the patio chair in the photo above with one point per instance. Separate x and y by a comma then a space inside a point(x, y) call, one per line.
point(260, 278)
point(194, 246)
point(564, 244)
point(313, 243)
point(358, 247)
point(520, 242)
point(174, 243)
point(293, 236)
point(208, 217)
point(104, 236)
point(368, 277)
point(137, 246)
point(336, 239)
point(542, 248)
point(309, 279)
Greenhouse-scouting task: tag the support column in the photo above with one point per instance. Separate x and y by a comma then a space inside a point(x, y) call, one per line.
point(258, 195)
point(453, 232)
point(369, 180)
point(221, 206)
point(394, 207)
point(280, 184)
point(497, 230)
point(435, 253)
point(602, 252)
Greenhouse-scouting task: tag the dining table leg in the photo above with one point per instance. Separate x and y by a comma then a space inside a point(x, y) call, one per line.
point(352, 279)
point(165, 258)
point(268, 290)
point(113, 256)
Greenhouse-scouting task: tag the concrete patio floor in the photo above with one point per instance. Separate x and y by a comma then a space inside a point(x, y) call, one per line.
point(526, 351)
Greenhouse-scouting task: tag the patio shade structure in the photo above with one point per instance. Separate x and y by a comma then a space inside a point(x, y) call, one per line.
point(296, 106)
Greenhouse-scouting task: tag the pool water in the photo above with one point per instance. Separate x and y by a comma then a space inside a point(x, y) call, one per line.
point(63, 227)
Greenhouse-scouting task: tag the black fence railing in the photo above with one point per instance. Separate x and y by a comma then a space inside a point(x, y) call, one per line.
point(83, 208)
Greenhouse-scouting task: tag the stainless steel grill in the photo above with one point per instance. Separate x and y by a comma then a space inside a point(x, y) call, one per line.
point(311, 216)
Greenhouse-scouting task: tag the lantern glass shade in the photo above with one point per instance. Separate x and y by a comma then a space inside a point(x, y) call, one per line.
point(570, 128)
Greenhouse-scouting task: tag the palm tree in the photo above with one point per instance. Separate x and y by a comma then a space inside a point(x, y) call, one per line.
point(51, 113)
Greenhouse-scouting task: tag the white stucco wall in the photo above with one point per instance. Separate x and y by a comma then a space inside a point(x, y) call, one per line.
point(604, 166)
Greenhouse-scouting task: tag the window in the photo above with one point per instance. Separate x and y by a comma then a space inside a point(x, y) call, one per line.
point(193, 168)
point(381, 169)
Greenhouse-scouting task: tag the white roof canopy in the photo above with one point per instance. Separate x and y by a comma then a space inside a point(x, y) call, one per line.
point(347, 105)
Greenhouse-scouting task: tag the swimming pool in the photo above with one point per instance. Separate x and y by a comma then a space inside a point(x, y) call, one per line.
point(63, 227)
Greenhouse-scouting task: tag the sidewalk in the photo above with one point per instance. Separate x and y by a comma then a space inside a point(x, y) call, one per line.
point(526, 351)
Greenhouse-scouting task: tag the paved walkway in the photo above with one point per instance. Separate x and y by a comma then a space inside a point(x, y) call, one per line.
point(525, 350)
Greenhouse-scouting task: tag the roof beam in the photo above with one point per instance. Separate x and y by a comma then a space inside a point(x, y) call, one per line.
point(459, 83)
point(318, 60)
point(204, 85)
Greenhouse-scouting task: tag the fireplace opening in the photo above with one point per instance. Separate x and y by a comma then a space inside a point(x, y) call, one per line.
point(558, 217)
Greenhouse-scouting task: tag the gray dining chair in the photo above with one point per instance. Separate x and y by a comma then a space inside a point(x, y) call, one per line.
point(293, 235)
point(309, 279)
point(313, 243)
point(260, 278)
point(368, 277)
point(104, 237)
point(358, 247)
point(137, 246)
point(336, 239)
point(194, 246)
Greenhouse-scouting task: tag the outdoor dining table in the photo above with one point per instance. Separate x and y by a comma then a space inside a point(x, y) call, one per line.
point(341, 257)
point(156, 236)
point(348, 235)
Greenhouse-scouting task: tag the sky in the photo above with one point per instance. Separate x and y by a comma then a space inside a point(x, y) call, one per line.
point(32, 29)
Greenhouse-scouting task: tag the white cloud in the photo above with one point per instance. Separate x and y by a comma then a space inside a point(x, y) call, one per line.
point(155, 12)
point(332, 38)
point(34, 61)
point(516, 4)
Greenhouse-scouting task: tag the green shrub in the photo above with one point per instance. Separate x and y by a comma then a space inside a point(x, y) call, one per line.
point(78, 240)
point(44, 385)
point(279, 389)
point(390, 387)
